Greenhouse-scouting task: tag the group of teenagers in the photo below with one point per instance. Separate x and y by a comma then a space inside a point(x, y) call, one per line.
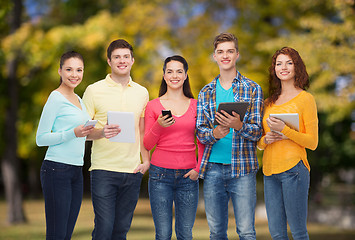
point(227, 160)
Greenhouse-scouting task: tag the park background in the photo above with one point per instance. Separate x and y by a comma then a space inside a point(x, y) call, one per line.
point(34, 34)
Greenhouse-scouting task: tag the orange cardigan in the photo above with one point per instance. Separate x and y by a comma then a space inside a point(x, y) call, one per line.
point(285, 154)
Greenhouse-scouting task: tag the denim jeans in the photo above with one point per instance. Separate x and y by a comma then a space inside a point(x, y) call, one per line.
point(166, 186)
point(62, 186)
point(219, 187)
point(286, 200)
point(114, 198)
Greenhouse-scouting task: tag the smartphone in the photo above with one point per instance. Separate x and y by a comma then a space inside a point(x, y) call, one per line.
point(166, 112)
point(90, 123)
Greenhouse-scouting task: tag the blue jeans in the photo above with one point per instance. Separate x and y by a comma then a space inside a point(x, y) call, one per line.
point(166, 186)
point(219, 187)
point(114, 198)
point(62, 186)
point(286, 200)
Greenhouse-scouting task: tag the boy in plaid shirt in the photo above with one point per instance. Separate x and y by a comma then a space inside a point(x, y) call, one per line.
point(229, 162)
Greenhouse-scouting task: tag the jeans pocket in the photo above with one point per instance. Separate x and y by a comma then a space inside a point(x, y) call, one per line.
point(156, 176)
point(295, 170)
point(48, 166)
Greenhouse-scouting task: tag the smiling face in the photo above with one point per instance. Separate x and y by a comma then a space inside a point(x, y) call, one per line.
point(285, 68)
point(226, 56)
point(175, 74)
point(121, 62)
point(71, 72)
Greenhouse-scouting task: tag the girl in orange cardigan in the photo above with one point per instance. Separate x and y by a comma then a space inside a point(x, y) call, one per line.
point(285, 165)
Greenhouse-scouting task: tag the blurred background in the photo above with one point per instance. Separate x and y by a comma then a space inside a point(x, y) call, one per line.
point(34, 34)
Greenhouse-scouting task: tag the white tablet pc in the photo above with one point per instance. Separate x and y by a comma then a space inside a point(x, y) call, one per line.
point(126, 122)
point(290, 119)
point(238, 107)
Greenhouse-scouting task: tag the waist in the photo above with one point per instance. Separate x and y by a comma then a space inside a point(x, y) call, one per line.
point(221, 164)
point(169, 171)
point(174, 160)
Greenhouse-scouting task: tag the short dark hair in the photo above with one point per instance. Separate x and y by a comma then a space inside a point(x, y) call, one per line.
point(119, 43)
point(225, 37)
point(186, 87)
point(70, 54)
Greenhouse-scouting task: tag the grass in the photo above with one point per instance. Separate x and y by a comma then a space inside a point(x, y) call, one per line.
point(142, 225)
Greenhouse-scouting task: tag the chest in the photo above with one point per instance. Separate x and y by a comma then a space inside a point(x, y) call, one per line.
point(177, 108)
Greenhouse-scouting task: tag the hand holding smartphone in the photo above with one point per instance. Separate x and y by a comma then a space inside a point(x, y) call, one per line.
point(90, 123)
point(167, 112)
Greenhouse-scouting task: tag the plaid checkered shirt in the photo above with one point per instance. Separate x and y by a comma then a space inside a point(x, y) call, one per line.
point(244, 159)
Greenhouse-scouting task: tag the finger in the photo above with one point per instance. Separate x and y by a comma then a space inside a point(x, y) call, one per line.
point(225, 114)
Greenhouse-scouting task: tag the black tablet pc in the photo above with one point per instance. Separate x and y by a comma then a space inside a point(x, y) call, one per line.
point(238, 107)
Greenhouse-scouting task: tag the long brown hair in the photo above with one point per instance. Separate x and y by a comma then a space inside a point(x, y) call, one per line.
point(186, 86)
point(301, 75)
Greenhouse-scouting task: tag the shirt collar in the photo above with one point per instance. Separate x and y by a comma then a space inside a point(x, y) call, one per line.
point(112, 83)
point(237, 78)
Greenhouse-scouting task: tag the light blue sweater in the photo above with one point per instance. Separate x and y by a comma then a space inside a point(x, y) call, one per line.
point(56, 130)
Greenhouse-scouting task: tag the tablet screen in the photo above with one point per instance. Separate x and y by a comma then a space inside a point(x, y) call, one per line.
point(238, 107)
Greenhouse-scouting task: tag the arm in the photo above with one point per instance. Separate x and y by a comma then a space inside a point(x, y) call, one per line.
point(143, 167)
point(108, 131)
point(204, 125)
point(252, 126)
point(152, 128)
point(308, 139)
point(45, 136)
point(193, 173)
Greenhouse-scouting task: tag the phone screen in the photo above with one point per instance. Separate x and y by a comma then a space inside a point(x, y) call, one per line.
point(90, 123)
point(166, 112)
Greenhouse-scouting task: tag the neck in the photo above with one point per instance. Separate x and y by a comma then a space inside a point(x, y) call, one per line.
point(121, 79)
point(287, 86)
point(174, 94)
point(227, 77)
point(65, 90)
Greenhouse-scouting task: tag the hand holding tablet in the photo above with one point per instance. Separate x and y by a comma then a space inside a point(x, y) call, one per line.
point(238, 107)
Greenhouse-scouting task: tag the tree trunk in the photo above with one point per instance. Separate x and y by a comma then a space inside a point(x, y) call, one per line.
point(10, 162)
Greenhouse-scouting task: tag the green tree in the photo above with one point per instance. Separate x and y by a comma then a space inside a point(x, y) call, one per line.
point(10, 164)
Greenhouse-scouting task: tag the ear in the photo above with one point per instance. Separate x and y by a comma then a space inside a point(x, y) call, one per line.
point(60, 71)
point(214, 56)
point(132, 60)
point(109, 62)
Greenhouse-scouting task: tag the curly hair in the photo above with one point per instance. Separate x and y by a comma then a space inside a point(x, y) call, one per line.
point(301, 75)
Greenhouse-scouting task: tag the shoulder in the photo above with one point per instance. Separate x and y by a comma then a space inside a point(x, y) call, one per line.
point(101, 84)
point(250, 83)
point(307, 95)
point(208, 88)
point(55, 96)
point(153, 103)
point(306, 98)
point(138, 87)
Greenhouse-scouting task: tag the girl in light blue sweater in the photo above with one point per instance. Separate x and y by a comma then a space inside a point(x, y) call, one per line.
point(61, 128)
